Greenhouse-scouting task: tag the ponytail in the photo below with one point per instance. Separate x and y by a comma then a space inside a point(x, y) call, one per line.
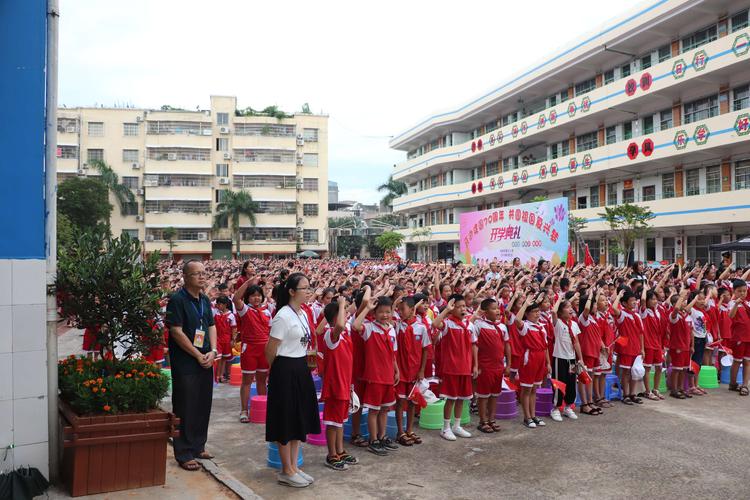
point(282, 290)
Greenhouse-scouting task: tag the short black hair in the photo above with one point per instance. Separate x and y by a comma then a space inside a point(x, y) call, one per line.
point(186, 265)
point(224, 300)
point(456, 297)
point(222, 286)
point(384, 302)
point(330, 311)
point(419, 296)
point(564, 282)
point(409, 301)
point(486, 303)
point(738, 283)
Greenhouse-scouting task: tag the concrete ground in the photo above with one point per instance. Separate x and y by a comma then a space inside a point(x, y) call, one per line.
point(692, 449)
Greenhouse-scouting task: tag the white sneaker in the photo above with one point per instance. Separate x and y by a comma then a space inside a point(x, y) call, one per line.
point(448, 434)
point(555, 415)
point(306, 477)
point(461, 432)
point(570, 413)
point(295, 481)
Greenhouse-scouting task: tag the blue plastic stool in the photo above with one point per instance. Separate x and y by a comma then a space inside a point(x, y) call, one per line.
point(725, 375)
point(318, 383)
point(321, 404)
point(274, 460)
point(391, 429)
point(612, 389)
point(362, 427)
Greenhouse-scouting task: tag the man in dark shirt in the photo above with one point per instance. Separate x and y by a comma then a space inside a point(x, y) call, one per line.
point(192, 350)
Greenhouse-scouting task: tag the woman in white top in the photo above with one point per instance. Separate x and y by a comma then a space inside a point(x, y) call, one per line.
point(292, 408)
point(564, 355)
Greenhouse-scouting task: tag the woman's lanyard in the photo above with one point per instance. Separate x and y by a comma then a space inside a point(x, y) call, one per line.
point(198, 312)
point(306, 338)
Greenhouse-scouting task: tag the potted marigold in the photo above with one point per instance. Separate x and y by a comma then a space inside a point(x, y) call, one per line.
point(114, 435)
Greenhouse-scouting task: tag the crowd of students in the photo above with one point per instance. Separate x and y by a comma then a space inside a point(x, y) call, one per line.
point(380, 329)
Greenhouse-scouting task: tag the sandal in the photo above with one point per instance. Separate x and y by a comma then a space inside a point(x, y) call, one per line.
point(658, 394)
point(485, 427)
point(695, 392)
point(204, 455)
point(734, 387)
point(404, 440)
point(626, 400)
point(604, 403)
point(636, 400)
point(190, 465)
point(652, 396)
point(358, 441)
point(494, 426)
point(244, 418)
point(415, 439)
point(744, 391)
point(676, 395)
point(591, 409)
point(686, 394)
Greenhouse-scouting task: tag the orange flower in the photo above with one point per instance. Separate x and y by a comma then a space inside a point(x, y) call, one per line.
point(86, 383)
point(79, 370)
point(106, 407)
point(104, 389)
point(128, 375)
point(94, 389)
point(99, 381)
point(141, 374)
point(118, 376)
point(133, 371)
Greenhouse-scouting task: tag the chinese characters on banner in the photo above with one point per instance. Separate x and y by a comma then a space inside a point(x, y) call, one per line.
point(531, 231)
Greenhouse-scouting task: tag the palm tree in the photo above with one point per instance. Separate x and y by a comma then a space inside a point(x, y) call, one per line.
point(169, 234)
point(393, 190)
point(122, 193)
point(235, 204)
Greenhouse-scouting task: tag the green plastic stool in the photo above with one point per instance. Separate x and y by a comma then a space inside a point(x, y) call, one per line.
point(465, 416)
point(168, 373)
point(662, 383)
point(707, 377)
point(431, 416)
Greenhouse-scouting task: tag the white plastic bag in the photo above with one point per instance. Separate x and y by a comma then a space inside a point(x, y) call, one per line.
point(637, 371)
point(604, 361)
point(353, 402)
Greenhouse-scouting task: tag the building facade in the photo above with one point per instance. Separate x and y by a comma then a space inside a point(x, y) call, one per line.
point(180, 163)
point(652, 109)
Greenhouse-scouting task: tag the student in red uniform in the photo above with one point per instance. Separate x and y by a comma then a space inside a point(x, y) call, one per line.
point(380, 370)
point(723, 321)
point(629, 325)
point(652, 341)
point(491, 348)
point(455, 360)
point(255, 327)
point(605, 322)
point(337, 381)
point(516, 346)
point(591, 344)
point(680, 344)
point(226, 331)
point(413, 340)
point(739, 312)
point(536, 362)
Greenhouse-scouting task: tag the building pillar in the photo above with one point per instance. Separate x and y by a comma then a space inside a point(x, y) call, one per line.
point(572, 144)
point(678, 182)
point(600, 136)
point(675, 48)
point(571, 92)
point(677, 114)
point(599, 80)
point(602, 252)
point(723, 27)
point(726, 174)
point(658, 245)
point(724, 99)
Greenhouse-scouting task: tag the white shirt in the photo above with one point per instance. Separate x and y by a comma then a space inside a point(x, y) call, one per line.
point(563, 341)
point(699, 323)
point(293, 331)
point(492, 276)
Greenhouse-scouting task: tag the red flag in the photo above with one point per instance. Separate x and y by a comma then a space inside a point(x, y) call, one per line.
point(416, 397)
point(571, 259)
point(694, 367)
point(584, 378)
point(719, 343)
point(588, 260)
point(727, 350)
point(621, 341)
point(714, 344)
point(511, 385)
point(560, 386)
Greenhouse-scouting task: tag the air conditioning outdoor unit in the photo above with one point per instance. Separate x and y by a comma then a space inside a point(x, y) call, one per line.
point(227, 156)
point(300, 220)
point(224, 130)
point(224, 181)
point(149, 237)
point(300, 155)
point(140, 191)
point(300, 140)
point(81, 171)
point(139, 119)
point(139, 218)
point(172, 156)
point(136, 165)
point(202, 236)
point(300, 162)
point(300, 229)
point(71, 129)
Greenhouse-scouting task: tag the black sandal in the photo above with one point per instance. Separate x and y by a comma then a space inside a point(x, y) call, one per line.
point(358, 441)
point(485, 427)
point(626, 400)
point(592, 410)
point(744, 391)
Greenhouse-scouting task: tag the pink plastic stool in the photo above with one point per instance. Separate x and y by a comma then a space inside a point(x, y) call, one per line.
point(258, 409)
point(318, 439)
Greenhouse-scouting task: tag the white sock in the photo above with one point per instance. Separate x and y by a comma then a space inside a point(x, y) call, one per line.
point(446, 424)
point(456, 425)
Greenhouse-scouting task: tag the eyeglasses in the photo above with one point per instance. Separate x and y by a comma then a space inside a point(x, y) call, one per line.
point(302, 288)
point(198, 274)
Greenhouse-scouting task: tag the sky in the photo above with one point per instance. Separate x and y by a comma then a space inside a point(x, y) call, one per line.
point(375, 68)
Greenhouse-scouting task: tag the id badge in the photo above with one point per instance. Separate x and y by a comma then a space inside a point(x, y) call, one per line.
point(200, 336)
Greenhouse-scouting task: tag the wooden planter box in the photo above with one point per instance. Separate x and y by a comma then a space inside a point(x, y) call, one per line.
point(114, 452)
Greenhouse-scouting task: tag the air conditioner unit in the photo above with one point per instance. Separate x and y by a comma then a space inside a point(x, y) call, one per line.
point(149, 237)
point(300, 141)
point(81, 171)
point(300, 155)
point(140, 191)
point(300, 162)
point(139, 218)
point(139, 119)
point(224, 181)
point(227, 156)
point(136, 165)
point(279, 186)
point(172, 156)
point(224, 130)
point(71, 129)
point(300, 220)
point(202, 236)
point(300, 229)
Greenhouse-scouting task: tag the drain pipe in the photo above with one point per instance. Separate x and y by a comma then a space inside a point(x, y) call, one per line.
point(50, 193)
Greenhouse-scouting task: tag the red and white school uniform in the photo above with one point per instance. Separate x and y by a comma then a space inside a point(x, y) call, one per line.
point(429, 369)
point(255, 327)
point(680, 337)
point(337, 378)
point(454, 356)
point(606, 325)
point(590, 340)
point(516, 346)
point(224, 324)
point(629, 325)
point(534, 365)
point(490, 338)
point(652, 336)
point(379, 354)
point(740, 344)
point(412, 338)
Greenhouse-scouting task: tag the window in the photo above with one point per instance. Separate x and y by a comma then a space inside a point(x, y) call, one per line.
point(651, 249)
point(130, 208)
point(310, 209)
point(625, 70)
point(178, 206)
point(649, 194)
point(222, 118)
point(665, 119)
point(700, 109)
point(96, 129)
point(741, 97)
point(609, 77)
point(170, 153)
point(67, 151)
point(594, 196)
point(692, 182)
point(698, 38)
point(739, 21)
point(133, 233)
point(667, 249)
point(697, 247)
point(648, 124)
point(713, 179)
point(667, 185)
point(611, 135)
point(67, 125)
point(450, 216)
point(94, 155)
point(493, 168)
point(612, 194)
point(311, 159)
point(130, 182)
point(665, 52)
point(222, 144)
point(264, 155)
point(628, 195)
point(222, 170)
point(264, 129)
point(129, 155)
point(156, 127)
point(627, 131)
point(511, 163)
point(130, 129)
point(434, 181)
point(433, 218)
point(586, 86)
point(177, 180)
point(582, 202)
point(646, 61)
point(742, 175)
point(310, 235)
point(219, 197)
point(310, 184)
point(310, 134)
point(586, 141)
point(559, 149)
point(272, 181)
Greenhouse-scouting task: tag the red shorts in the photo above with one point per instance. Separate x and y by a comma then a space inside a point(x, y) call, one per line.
point(253, 358)
point(489, 383)
point(359, 388)
point(680, 359)
point(654, 357)
point(403, 389)
point(224, 346)
point(89, 341)
point(335, 412)
point(626, 360)
point(533, 369)
point(378, 396)
point(591, 362)
point(456, 387)
point(156, 355)
point(740, 350)
point(515, 362)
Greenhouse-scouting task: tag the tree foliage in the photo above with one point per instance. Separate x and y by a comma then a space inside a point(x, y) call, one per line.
point(109, 178)
point(393, 190)
point(349, 245)
point(628, 223)
point(575, 226)
point(390, 240)
point(84, 201)
point(236, 204)
point(422, 234)
point(169, 234)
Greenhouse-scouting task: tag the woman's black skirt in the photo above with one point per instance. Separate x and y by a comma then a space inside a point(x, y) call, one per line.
point(292, 410)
